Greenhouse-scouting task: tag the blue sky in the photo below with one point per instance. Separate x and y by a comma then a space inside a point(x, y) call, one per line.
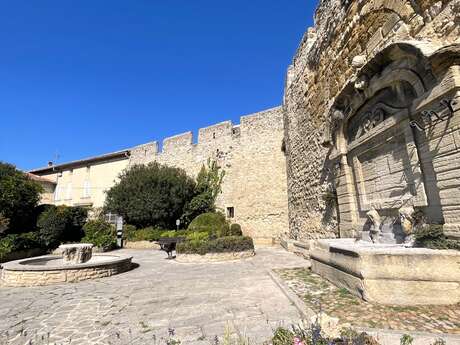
point(85, 77)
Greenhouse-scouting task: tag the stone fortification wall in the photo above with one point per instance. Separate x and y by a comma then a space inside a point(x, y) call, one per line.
point(348, 35)
point(254, 163)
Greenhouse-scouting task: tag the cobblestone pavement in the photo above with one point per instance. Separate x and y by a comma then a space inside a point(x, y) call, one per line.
point(195, 301)
point(318, 294)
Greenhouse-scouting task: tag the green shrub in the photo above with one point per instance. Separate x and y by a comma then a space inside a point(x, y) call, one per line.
point(16, 242)
point(208, 186)
point(313, 335)
point(213, 223)
point(170, 233)
point(197, 236)
point(151, 195)
point(218, 245)
point(61, 224)
point(151, 234)
point(235, 230)
point(283, 336)
point(100, 233)
point(432, 236)
point(127, 229)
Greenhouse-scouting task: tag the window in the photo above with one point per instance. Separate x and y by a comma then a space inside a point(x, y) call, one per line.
point(68, 194)
point(87, 189)
point(57, 193)
point(230, 212)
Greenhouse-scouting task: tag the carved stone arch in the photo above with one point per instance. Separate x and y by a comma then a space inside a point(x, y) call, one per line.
point(373, 139)
point(402, 8)
point(401, 64)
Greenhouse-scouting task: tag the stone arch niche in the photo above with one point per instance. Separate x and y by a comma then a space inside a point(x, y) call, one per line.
point(387, 126)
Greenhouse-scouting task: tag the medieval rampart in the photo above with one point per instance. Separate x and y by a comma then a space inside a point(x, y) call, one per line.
point(254, 163)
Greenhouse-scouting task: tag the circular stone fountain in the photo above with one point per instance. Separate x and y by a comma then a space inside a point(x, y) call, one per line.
point(77, 263)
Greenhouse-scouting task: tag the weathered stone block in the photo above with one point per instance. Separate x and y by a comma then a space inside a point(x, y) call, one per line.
point(389, 274)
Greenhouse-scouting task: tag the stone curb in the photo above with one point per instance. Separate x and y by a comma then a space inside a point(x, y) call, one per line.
point(214, 257)
point(305, 312)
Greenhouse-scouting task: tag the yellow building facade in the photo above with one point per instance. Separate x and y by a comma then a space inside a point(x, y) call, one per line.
point(83, 182)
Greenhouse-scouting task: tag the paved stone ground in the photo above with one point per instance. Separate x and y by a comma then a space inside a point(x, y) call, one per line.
point(319, 294)
point(195, 301)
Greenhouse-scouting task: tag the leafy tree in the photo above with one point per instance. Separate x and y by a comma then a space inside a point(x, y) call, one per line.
point(19, 195)
point(151, 195)
point(208, 187)
point(61, 224)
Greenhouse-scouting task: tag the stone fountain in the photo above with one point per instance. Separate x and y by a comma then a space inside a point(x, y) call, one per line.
point(76, 263)
point(383, 266)
point(78, 253)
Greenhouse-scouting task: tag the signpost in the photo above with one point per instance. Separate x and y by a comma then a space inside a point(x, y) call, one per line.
point(120, 231)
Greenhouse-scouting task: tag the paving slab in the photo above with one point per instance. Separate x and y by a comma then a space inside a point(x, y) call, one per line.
point(159, 299)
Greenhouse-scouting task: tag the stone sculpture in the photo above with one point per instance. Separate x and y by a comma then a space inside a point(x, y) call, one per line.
point(374, 217)
point(76, 253)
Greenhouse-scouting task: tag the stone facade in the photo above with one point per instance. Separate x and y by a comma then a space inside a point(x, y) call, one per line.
point(372, 119)
point(251, 154)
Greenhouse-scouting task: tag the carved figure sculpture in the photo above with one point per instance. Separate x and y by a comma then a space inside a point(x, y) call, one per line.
point(374, 217)
point(361, 83)
point(406, 216)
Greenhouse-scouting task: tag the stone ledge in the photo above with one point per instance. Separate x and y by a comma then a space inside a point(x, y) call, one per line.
point(213, 257)
point(297, 247)
point(141, 245)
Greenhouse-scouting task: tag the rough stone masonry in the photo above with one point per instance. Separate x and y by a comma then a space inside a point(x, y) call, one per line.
point(372, 119)
point(251, 154)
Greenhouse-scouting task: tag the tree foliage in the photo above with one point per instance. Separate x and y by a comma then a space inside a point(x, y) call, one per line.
point(208, 187)
point(19, 196)
point(61, 224)
point(151, 195)
point(100, 233)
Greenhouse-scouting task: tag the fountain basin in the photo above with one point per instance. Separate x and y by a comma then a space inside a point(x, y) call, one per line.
point(389, 273)
point(51, 269)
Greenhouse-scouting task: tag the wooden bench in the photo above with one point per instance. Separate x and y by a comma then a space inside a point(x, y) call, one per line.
point(168, 244)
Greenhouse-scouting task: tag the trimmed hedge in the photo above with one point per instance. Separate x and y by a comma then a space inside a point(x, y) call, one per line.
point(235, 230)
point(213, 223)
point(219, 245)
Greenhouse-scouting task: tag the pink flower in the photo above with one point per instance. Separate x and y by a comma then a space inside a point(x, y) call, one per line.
point(297, 341)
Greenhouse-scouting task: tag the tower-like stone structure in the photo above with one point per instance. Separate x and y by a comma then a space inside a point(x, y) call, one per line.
point(372, 120)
